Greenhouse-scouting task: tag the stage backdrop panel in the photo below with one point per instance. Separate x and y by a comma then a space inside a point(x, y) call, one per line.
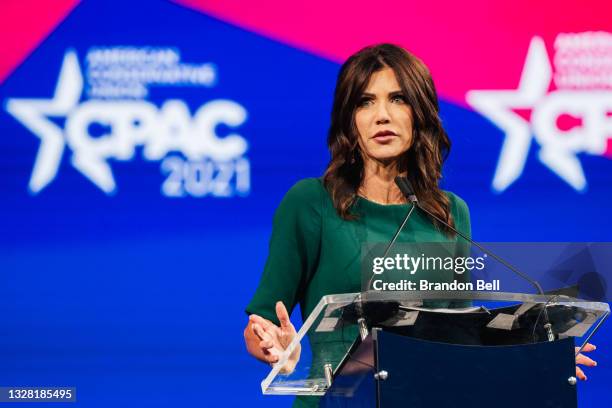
point(145, 145)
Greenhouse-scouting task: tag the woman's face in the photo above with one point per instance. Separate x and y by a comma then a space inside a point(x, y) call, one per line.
point(383, 119)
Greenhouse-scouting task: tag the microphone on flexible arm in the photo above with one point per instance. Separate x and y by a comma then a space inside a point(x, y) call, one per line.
point(395, 236)
point(405, 187)
point(376, 313)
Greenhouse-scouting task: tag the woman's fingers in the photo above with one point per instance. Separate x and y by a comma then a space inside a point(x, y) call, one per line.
point(580, 374)
point(584, 360)
point(265, 323)
point(266, 344)
point(258, 330)
point(267, 337)
point(270, 356)
point(286, 332)
point(588, 347)
point(273, 339)
point(283, 316)
point(263, 334)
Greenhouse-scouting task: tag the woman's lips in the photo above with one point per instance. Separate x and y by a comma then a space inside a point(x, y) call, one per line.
point(384, 138)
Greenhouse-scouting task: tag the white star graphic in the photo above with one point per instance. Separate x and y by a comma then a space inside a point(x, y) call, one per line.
point(497, 106)
point(34, 113)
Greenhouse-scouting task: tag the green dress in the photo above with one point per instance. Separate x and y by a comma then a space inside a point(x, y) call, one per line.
point(313, 252)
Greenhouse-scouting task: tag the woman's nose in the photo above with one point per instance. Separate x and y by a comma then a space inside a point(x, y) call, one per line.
point(382, 114)
point(382, 117)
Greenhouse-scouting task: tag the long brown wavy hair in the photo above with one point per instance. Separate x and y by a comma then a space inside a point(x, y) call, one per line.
point(430, 145)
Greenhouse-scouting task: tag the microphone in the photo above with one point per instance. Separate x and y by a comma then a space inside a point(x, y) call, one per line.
point(396, 235)
point(405, 187)
point(375, 313)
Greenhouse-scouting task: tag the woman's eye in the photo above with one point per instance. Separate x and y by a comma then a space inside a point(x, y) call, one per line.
point(365, 102)
point(398, 98)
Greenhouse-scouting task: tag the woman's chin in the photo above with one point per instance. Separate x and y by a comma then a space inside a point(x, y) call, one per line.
point(385, 157)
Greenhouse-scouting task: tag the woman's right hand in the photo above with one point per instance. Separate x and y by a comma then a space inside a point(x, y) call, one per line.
point(266, 341)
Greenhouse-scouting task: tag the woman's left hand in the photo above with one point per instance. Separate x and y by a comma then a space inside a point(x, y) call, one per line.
point(584, 360)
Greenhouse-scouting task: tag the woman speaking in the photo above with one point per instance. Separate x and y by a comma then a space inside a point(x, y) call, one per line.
point(385, 123)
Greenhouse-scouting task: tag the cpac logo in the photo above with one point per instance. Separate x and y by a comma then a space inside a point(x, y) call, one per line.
point(580, 96)
point(211, 163)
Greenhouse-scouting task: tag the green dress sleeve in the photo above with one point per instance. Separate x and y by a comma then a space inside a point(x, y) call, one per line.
point(293, 251)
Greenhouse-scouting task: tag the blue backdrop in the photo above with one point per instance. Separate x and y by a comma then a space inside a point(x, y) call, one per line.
point(135, 295)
